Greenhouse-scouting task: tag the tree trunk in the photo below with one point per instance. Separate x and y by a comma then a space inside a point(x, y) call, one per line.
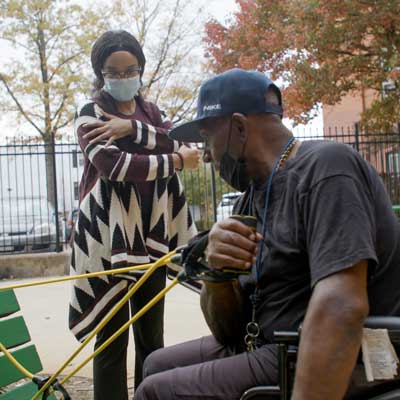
point(51, 193)
point(51, 186)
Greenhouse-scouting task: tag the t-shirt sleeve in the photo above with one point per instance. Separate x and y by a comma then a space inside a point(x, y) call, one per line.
point(339, 222)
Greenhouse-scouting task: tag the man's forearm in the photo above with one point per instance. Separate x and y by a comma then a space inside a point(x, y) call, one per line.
point(222, 306)
point(327, 357)
point(330, 342)
point(331, 335)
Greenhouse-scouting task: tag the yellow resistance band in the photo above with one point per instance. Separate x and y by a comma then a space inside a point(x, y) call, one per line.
point(14, 362)
point(162, 261)
point(82, 276)
point(123, 328)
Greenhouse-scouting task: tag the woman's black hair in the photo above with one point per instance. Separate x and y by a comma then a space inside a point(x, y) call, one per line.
point(108, 43)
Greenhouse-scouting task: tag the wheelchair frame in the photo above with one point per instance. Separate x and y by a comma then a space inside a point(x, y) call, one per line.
point(287, 343)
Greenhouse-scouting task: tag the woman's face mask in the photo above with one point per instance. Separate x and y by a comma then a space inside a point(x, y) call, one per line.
point(122, 89)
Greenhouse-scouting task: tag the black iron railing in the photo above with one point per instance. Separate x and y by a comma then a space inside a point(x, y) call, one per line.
point(39, 187)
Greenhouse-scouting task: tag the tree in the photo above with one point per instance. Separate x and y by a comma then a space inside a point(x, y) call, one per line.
point(321, 49)
point(40, 86)
point(170, 33)
point(200, 187)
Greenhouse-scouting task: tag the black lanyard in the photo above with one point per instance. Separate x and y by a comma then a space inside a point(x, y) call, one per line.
point(252, 328)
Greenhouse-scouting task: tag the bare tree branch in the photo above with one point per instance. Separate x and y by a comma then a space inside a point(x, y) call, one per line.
point(57, 37)
point(60, 107)
point(64, 62)
point(183, 109)
point(35, 115)
point(17, 43)
point(144, 24)
point(64, 124)
point(19, 106)
point(165, 45)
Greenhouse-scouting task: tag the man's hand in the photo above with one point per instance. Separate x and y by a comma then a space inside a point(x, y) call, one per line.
point(111, 130)
point(232, 244)
point(331, 335)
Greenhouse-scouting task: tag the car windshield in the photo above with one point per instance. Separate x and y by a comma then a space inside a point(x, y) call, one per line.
point(25, 207)
point(229, 199)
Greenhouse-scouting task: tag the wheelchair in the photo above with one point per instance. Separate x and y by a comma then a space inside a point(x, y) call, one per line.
point(287, 343)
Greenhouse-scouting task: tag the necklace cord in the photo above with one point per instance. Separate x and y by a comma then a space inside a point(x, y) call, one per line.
point(278, 163)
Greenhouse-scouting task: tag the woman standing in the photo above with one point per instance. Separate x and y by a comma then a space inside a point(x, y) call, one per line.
point(132, 209)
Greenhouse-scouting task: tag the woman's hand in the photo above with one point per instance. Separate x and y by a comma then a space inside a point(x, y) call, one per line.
point(191, 157)
point(111, 130)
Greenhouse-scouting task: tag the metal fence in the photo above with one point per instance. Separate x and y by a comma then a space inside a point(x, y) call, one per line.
point(39, 187)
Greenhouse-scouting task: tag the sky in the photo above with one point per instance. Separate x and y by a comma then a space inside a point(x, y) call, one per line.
point(220, 9)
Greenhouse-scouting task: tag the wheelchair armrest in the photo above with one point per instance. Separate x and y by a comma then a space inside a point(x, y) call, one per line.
point(392, 324)
point(378, 322)
point(286, 337)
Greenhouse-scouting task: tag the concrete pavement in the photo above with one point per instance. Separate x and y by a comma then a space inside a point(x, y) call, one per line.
point(45, 309)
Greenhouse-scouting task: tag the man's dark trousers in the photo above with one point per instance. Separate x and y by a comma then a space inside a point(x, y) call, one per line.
point(204, 369)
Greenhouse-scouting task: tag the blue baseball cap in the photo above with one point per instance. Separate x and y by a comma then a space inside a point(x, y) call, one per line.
point(235, 90)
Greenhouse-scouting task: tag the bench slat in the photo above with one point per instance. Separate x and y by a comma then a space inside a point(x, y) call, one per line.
point(27, 356)
point(13, 332)
point(8, 303)
point(23, 392)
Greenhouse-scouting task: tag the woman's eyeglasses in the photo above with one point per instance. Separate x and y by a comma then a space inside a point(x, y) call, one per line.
point(130, 73)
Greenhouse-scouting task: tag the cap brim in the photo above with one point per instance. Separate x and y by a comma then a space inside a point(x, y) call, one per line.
point(187, 132)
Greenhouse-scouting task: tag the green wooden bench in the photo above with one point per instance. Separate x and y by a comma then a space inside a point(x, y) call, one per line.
point(15, 337)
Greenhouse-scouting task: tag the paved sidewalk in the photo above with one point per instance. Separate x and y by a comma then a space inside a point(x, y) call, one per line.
point(45, 311)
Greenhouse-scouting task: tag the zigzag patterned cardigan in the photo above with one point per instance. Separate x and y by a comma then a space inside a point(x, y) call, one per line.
point(109, 231)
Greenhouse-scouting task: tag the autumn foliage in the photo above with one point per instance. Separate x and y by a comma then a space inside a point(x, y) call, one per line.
point(321, 49)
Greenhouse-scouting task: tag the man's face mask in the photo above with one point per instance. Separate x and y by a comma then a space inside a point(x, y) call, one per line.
point(232, 170)
point(122, 89)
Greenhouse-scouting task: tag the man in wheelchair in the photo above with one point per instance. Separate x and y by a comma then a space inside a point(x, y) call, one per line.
point(325, 255)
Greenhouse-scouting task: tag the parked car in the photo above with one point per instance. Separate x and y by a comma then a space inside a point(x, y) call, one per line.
point(27, 225)
point(69, 223)
point(224, 209)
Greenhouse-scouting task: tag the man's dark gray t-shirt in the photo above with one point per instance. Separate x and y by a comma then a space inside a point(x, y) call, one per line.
point(328, 210)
